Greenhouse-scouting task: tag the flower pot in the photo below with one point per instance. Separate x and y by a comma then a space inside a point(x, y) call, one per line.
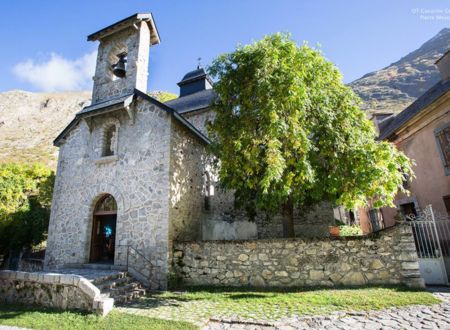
point(334, 230)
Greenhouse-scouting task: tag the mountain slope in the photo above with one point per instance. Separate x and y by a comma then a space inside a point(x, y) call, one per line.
point(30, 121)
point(394, 87)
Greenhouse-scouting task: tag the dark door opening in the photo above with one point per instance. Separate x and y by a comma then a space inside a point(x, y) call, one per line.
point(447, 203)
point(104, 231)
point(408, 209)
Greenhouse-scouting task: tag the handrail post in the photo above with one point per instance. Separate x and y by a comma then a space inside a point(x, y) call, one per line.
point(128, 253)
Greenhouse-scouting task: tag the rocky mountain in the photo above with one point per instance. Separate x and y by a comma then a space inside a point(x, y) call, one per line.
point(30, 121)
point(394, 87)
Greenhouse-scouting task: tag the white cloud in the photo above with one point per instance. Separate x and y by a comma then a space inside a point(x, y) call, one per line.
point(57, 73)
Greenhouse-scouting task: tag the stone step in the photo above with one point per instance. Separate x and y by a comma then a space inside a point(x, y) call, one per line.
point(120, 286)
point(129, 296)
point(112, 283)
point(103, 267)
point(111, 277)
point(123, 289)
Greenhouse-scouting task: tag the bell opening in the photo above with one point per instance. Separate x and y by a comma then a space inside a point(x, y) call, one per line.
point(120, 68)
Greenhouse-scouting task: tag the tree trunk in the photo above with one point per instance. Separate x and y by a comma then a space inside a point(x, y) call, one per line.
point(288, 219)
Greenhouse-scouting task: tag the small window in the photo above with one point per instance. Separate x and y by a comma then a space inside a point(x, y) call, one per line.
point(208, 191)
point(443, 140)
point(109, 145)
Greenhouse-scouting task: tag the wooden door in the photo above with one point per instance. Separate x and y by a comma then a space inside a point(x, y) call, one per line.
point(96, 240)
point(104, 230)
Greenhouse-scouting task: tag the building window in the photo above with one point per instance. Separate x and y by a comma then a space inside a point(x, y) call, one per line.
point(376, 219)
point(406, 181)
point(443, 140)
point(109, 142)
point(208, 191)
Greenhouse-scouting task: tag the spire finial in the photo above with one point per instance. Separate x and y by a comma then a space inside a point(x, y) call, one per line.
point(199, 65)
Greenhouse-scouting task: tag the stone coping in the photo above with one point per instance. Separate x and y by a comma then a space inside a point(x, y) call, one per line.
point(101, 305)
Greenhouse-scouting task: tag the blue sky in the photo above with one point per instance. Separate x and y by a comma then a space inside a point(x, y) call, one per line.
point(46, 47)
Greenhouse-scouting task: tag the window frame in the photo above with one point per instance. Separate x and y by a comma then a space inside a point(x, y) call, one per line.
point(437, 133)
point(101, 142)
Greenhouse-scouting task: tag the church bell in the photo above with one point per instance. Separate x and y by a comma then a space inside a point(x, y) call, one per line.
point(119, 69)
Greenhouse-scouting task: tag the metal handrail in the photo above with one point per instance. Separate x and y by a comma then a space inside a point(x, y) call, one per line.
point(140, 254)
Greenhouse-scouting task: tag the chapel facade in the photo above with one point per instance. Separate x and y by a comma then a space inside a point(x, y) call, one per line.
point(134, 174)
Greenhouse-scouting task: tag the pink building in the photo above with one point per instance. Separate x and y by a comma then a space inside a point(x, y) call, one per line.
point(422, 132)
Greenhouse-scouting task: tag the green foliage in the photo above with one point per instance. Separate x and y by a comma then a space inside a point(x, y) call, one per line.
point(353, 230)
point(25, 199)
point(288, 129)
point(174, 281)
point(163, 96)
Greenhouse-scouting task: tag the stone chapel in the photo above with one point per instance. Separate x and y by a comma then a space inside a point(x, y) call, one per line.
point(134, 174)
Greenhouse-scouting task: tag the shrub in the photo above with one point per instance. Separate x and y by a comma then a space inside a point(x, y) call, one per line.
point(353, 230)
point(25, 199)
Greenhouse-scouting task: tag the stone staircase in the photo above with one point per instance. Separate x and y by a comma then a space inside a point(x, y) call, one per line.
point(112, 281)
point(120, 286)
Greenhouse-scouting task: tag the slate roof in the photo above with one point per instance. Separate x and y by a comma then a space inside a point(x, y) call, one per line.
point(430, 96)
point(126, 22)
point(192, 102)
point(199, 73)
point(121, 103)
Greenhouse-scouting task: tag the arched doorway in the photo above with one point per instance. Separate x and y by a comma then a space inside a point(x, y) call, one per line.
point(104, 230)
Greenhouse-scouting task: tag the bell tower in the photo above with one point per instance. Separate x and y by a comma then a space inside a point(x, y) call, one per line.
point(123, 55)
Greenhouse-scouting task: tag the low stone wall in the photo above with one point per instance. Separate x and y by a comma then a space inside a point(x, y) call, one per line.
point(31, 265)
point(387, 257)
point(62, 291)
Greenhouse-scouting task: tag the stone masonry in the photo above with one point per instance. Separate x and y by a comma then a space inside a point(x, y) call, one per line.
point(137, 178)
point(388, 257)
point(62, 291)
point(150, 145)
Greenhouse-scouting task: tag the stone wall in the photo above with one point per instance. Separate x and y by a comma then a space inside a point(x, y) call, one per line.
point(188, 164)
point(388, 257)
point(222, 230)
point(137, 177)
point(313, 223)
point(200, 118)
point(62, 291)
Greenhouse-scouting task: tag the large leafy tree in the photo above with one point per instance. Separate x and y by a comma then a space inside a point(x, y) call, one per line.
point(289, 134)
point(25, 199)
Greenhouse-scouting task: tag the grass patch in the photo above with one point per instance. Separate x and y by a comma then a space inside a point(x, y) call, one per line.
point(41, 318)
point(181, 310)
point(199, 304)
